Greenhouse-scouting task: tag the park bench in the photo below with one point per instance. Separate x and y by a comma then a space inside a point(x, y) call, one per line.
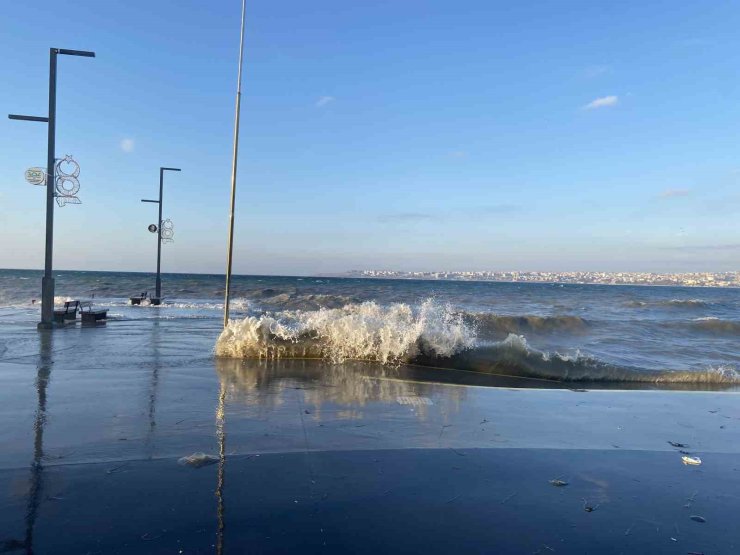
point(91, 316)
point(69, 312)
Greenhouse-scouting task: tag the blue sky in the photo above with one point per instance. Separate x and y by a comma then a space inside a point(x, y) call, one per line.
point(416, 135)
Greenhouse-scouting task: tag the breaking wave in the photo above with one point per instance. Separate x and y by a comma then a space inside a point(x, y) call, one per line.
point(366, 331)
point(514, 357)
point(434, 336)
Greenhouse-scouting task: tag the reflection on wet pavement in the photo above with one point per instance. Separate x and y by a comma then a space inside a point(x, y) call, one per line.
point(95, 420)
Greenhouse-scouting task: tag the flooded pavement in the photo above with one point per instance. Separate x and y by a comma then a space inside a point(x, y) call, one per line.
point(309, 456)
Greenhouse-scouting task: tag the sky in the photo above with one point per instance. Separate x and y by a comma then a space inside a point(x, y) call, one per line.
point(398, 134)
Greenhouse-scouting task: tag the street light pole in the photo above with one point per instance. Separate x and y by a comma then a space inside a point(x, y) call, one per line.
point(234, 159)
point(47, 282)
point(158, 282)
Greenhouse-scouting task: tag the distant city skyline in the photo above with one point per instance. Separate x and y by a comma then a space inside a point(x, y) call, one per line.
point(688, 279)
point(554, 137)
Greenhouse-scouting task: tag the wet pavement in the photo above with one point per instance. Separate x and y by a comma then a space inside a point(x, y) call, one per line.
point(342, 458)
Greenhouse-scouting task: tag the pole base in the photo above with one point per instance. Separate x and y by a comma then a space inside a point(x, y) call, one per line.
point(47, 302)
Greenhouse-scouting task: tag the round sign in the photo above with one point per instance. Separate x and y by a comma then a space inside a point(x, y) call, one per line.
point(36, 176)
point(152, 228)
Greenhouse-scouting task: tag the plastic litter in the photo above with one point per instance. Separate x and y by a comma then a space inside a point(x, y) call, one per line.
point(697, 518)
point(694, 461)
point(198, 460)
point(558, 483)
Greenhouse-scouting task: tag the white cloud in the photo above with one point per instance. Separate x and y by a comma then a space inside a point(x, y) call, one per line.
point(323, 101)
point(127, 145)
point(602, 102)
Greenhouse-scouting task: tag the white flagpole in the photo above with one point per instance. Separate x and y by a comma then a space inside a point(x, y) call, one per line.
point(233, 169)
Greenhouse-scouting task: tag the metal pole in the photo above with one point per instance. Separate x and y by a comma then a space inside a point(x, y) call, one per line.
point(159, 236)
point(230, 248)
point(47, 283)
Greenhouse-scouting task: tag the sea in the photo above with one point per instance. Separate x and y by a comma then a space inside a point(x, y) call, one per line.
point(552, 332)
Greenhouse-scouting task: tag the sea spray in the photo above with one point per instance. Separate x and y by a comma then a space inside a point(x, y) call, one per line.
point(366, 331)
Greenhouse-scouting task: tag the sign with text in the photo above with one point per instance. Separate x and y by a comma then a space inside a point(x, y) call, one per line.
point(36, 176)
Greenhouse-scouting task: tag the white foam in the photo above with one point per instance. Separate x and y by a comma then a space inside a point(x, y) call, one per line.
point(368, 331)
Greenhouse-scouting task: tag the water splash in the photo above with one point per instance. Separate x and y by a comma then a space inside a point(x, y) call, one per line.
point(367, 331)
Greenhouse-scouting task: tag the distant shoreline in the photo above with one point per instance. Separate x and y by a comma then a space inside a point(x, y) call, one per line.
point(543, 282)
point(354, 275)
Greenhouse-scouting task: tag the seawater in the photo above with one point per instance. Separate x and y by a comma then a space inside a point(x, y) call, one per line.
point(552, 331)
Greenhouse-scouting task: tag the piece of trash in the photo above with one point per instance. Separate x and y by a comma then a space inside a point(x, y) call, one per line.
point(694, 461)
point(674, 444)
point(673, 539)
point(198, 460)
point(697, 518)
point(414, 401)
point(558, 483)
point(589, 508)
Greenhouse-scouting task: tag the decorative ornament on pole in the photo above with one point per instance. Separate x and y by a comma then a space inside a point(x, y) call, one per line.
point(36, 176)
point(67, 170)
point(168, 231)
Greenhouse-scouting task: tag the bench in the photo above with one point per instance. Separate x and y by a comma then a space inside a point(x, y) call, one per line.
point(90, 316)
point(69, 312)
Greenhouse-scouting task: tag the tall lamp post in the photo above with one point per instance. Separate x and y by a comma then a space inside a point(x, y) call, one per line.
point(47, 283)
point(158, 296)
point(235, 156)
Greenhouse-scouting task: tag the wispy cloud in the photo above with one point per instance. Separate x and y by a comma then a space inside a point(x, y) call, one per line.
point(127, 145)
point(674, 193)
point(602, 102)
point(323, 101)
point(722, 247)
point(407, 217)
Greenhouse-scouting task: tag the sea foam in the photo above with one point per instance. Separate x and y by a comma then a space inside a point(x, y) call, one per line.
point(365, 331)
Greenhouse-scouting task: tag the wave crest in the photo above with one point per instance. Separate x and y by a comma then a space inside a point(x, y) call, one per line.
point(434, 336)
point(500, 324)
point(366, 331)
point(514, 357)
point(671, 303)
point(716, 325)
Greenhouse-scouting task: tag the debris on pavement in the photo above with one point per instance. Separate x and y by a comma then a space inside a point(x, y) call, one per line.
point(198, 460)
